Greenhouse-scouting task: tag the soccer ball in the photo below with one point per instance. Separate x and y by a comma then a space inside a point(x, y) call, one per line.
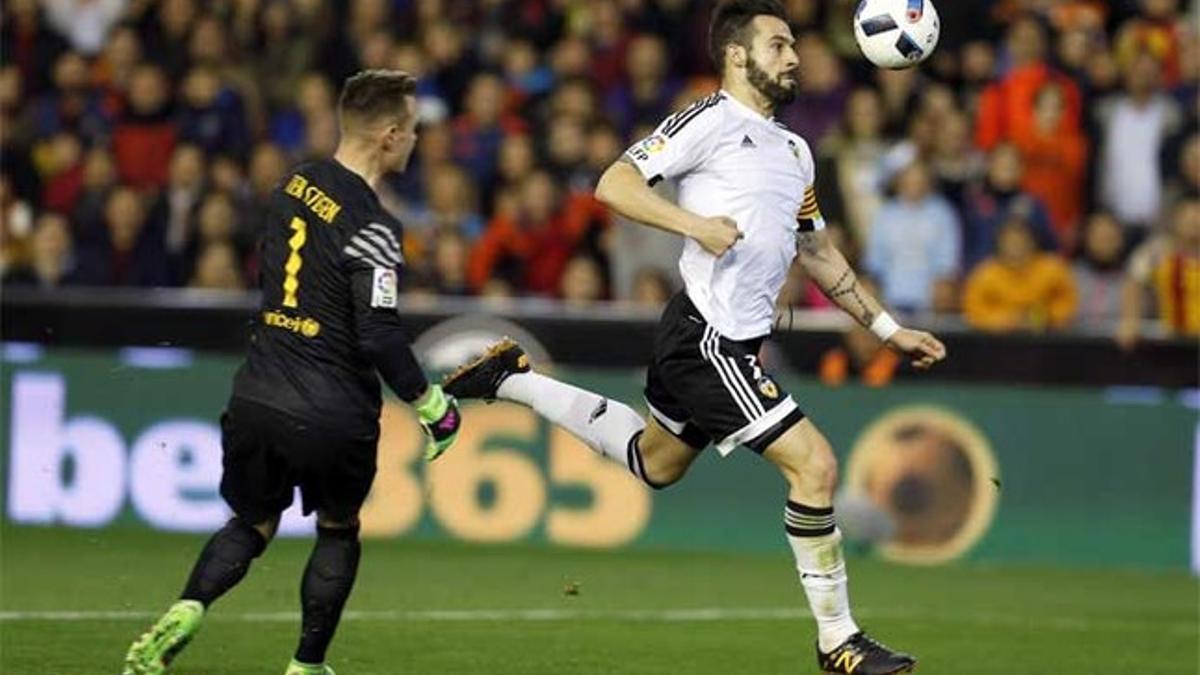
point(896, 34)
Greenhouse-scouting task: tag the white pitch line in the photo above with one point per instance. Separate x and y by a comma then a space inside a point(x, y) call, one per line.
point(681, 615)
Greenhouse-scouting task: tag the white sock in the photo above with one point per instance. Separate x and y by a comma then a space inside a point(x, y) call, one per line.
point(609, 427)
point(822, 572)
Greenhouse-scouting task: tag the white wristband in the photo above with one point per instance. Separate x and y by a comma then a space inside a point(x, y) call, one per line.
point(884, 326)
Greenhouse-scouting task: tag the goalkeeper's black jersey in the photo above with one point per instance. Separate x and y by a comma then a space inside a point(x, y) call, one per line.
point(330, 257)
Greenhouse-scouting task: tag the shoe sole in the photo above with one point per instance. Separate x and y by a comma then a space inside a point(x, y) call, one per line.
point(495, 351)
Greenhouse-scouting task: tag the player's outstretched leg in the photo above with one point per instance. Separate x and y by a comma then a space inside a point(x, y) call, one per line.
point(222, 564)
point(806, 460)
point(328, 580)
point(609, 427)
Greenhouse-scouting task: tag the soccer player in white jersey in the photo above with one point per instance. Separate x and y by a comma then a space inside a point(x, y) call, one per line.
point(748, 209)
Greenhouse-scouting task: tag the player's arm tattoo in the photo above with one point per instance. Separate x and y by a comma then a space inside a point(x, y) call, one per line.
point(828, 268)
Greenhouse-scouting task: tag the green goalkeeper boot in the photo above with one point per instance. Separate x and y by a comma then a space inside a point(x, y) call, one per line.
point(297, 668)
point(153, 652)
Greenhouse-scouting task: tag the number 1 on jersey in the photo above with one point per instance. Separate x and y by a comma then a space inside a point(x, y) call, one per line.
point(291, 282)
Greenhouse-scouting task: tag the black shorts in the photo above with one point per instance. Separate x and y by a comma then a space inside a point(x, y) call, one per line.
point(268, 453)
point(705, 388)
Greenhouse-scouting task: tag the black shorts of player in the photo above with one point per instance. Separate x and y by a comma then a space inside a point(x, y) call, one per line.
point(705, 388)
point(268, 453)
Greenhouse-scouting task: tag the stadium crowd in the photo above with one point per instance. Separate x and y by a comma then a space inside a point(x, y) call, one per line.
point(1042, 172)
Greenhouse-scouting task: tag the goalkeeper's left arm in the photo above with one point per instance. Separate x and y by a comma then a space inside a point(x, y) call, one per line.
point(382, 339)
point(827, 267)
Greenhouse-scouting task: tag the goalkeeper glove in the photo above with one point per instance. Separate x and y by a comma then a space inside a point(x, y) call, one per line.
point(440, 419)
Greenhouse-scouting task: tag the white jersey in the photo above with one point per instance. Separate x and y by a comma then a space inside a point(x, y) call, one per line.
point(729, 160)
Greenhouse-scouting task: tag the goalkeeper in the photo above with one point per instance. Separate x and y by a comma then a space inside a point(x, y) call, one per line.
point(305, 405)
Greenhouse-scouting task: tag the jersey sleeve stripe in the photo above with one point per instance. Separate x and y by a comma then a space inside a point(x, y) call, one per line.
point(376, 245)
point(365, 256)
point(385, 231)
point(380, 243)
point(684, 117)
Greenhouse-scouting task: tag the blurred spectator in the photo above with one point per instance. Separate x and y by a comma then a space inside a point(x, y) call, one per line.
point(451, 66)
point(849, 177)
point(914, 248)
point(977, 69)
point(99, 178)
point(16, 224)
point(1073, 50)
point(575, 98)
point(321, 135)
point(918, 145)
point(27, 41)
point(480, 129)
point(450, 254)
point(1054, 158)
point(566, 152)
point(570, 58)
point(72, 106)
point(1166, 268)
point(898, 94)
point(216, 221)
point(377, 50)
point(647, 91)
point(1099, 270)
point(15, 137)
point(449, 205)
point(178, 202)
point(1134, 126)
point(166, 33)
point(62, 169)
point(1185, 183)
point(1020, 288)
point(113, 70)
point(988, 204)
point(217, 268)
point(51, 258)
point(314, 97)
point(284, 52)
point(225, 174)
point(823, 91)
point(1187, 91)
point(1103, 75)
point(85, 23)
point(1006, 108)
point(268, 166)
point(651, 288)
point(145, 137)
point(516, 159)
point(530, 247)
point(526, 76)
point(604, 146)
point(1156, 32)
point(453, 204)
point(609, 42)
point(212, 115)
point(955, 161)
point(131, 253)
point(582, 282)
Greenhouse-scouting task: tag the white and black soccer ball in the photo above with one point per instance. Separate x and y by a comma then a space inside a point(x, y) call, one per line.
point(896, 34)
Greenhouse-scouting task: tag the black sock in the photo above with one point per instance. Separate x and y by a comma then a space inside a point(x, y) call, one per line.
point(223, 562)
point(327, 583)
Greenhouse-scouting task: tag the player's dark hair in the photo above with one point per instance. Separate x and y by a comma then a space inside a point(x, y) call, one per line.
point(731, 25)
point(372, 94)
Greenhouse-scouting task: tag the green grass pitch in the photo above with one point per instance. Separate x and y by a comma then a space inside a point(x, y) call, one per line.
point(434, 607)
